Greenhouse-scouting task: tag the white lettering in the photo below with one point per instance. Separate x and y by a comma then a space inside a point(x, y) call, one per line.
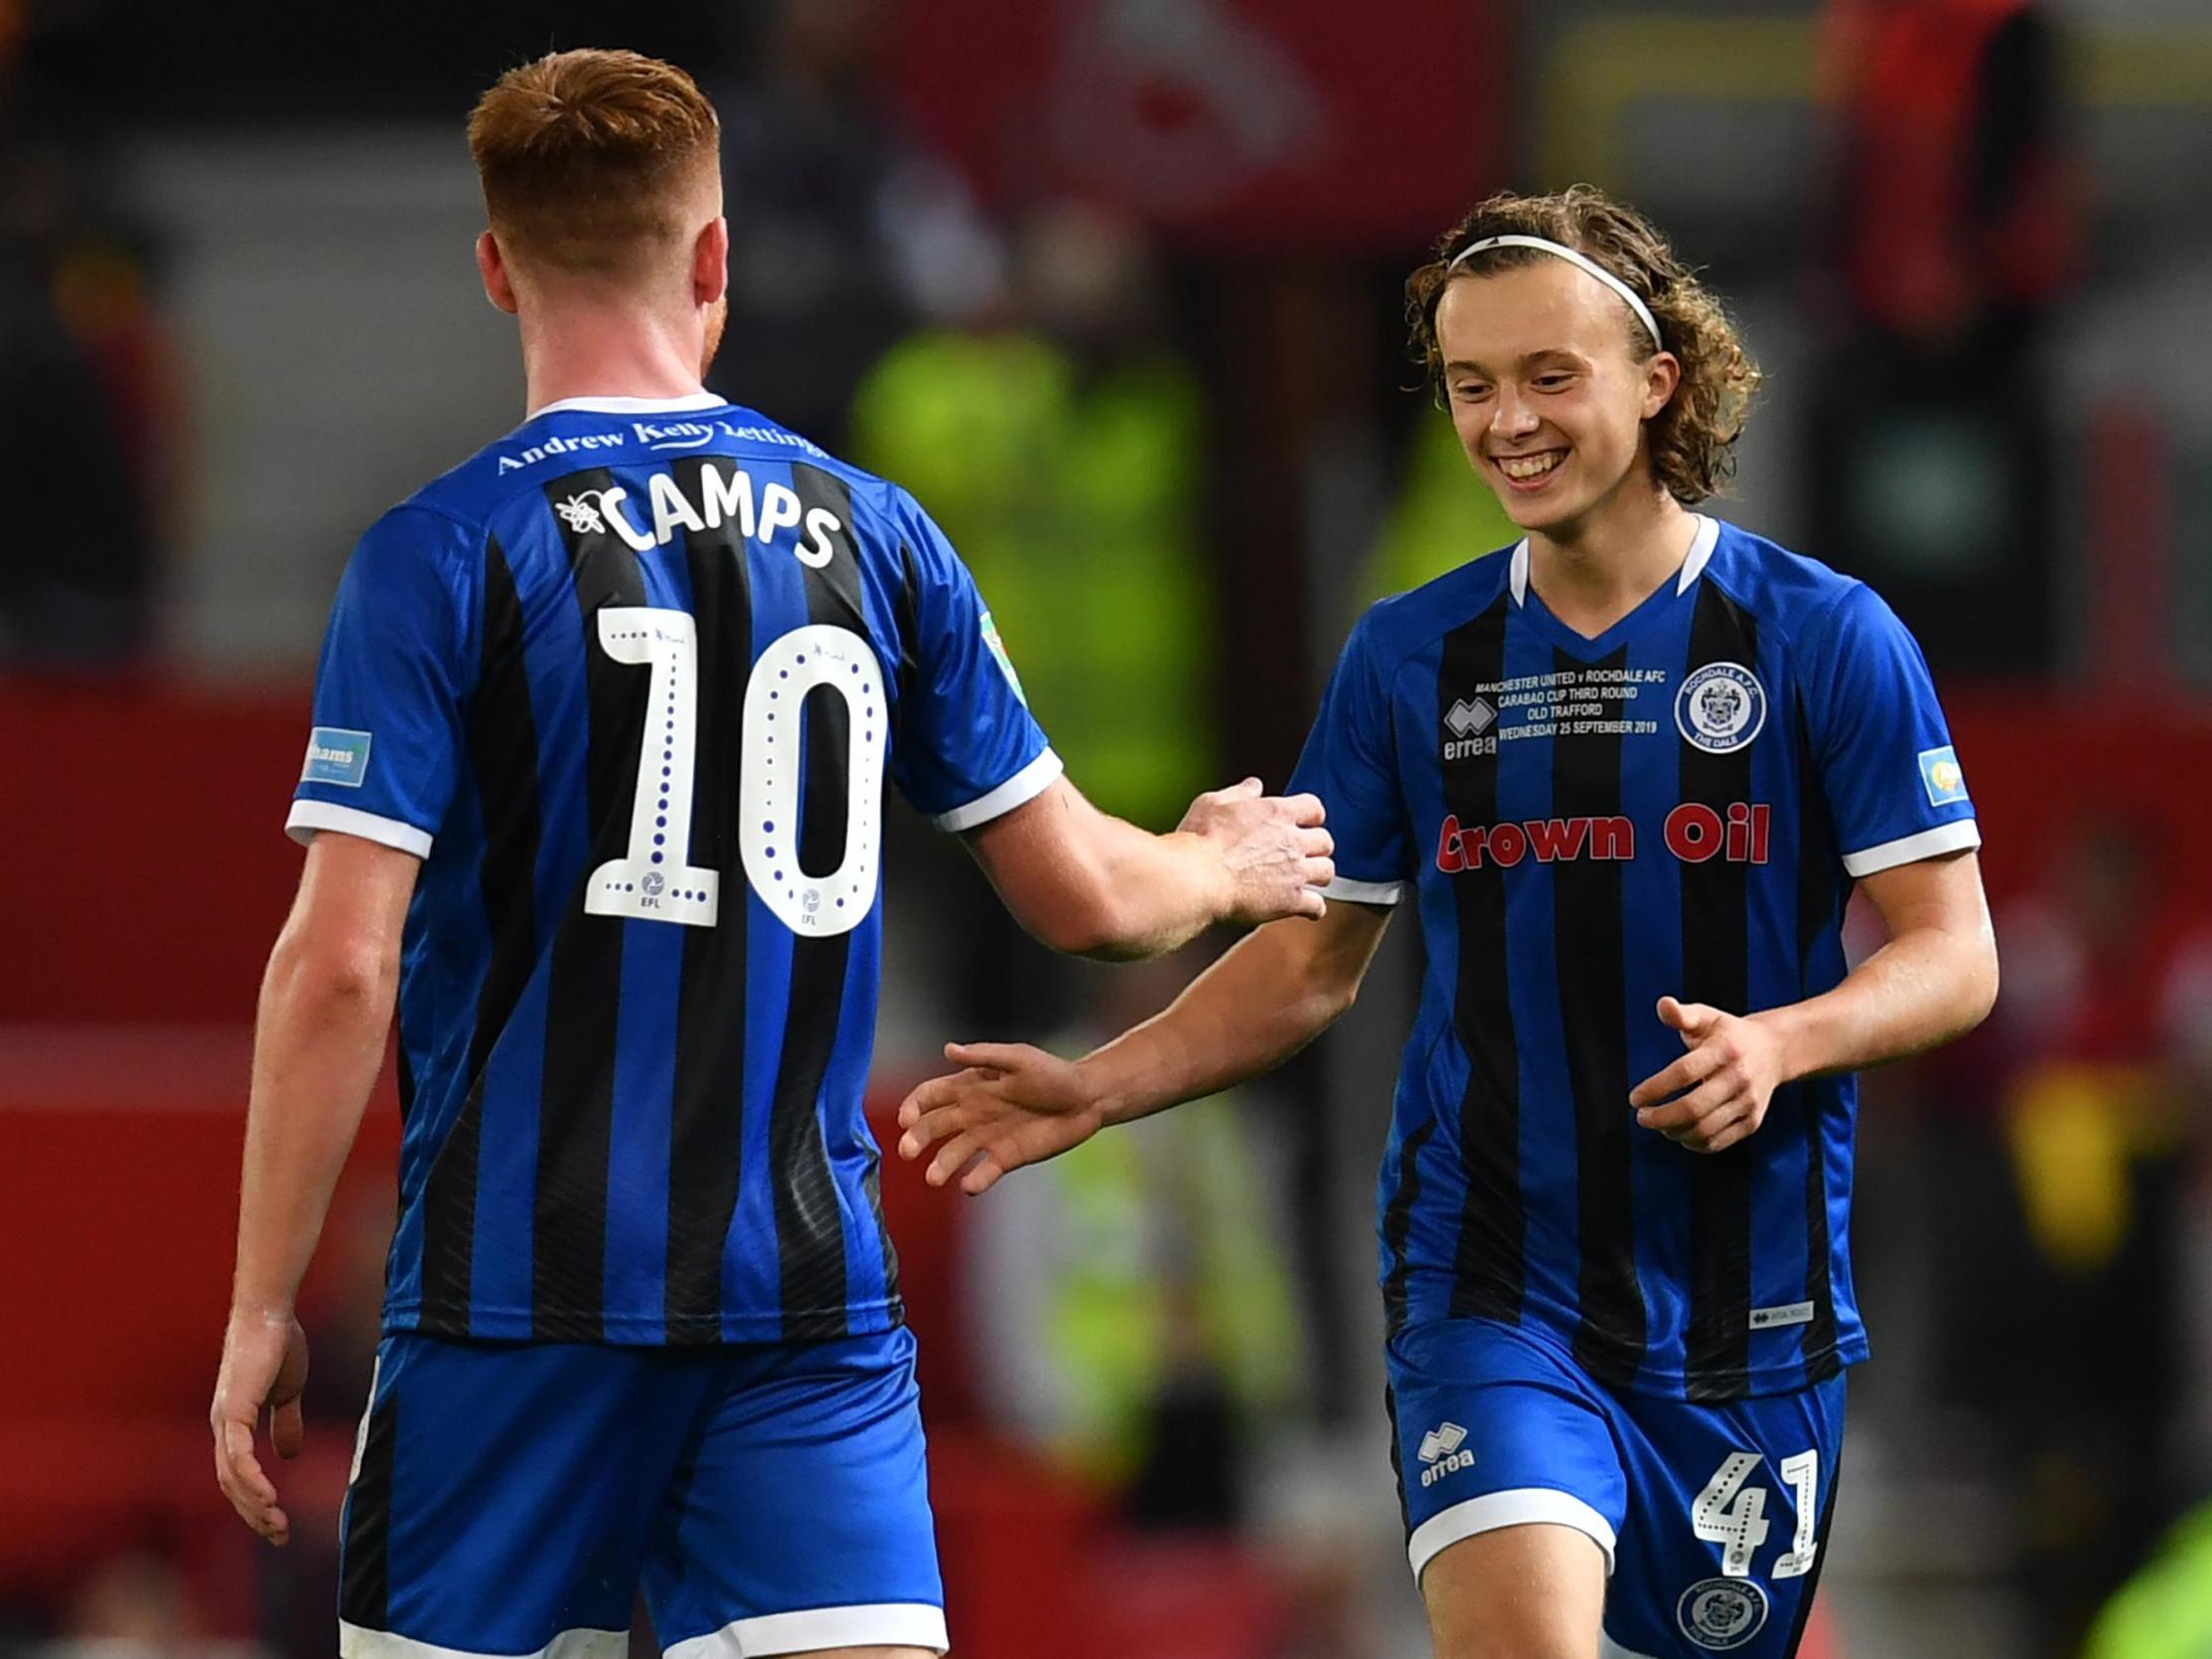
point(821, 524)
point(779, 510)
point(610, 504)
point(670, 509)
point(729, 499)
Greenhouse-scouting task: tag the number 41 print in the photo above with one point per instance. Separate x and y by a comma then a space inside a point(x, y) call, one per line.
point(1732, 1514)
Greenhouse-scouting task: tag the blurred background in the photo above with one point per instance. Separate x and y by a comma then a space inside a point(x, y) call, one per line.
point(1115, 287)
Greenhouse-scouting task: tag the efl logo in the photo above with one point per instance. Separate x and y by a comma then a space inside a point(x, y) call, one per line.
point(1693, 833)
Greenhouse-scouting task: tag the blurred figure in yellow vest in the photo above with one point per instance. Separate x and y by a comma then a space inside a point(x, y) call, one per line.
point(1061, 447)
point(1130, 1306)
point(2165, 1610)
point(1443, 515)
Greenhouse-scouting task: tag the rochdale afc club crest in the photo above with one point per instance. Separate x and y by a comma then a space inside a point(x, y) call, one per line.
point(1721, 707)
point(1722, 1613)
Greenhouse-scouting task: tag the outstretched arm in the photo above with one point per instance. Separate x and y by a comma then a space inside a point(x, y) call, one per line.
point(1272, 993)
point(1933, 981)
point(326, 1009)
point(1084, 882)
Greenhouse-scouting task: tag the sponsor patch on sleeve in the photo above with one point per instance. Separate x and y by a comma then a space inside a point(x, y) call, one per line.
point(999, 651)
point(1945, 784)
point(336, 756)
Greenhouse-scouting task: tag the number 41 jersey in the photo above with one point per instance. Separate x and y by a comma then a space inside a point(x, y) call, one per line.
point(628, 684)
point(1677, 808)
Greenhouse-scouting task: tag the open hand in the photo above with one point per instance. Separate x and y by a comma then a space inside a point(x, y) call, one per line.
point(1273, 847)
point(1013, 1105)
point(265, 1365)
point(1731, 1072)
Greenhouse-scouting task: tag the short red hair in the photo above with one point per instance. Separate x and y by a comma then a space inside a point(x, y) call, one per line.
point(588, 158)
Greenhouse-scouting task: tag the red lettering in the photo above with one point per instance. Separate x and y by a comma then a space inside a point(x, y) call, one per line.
point(1739, 833)
point(1557, 838)
point(1693, 833)
point(1742, 833)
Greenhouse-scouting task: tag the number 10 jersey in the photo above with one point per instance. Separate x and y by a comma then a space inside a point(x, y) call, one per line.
point(629, 683)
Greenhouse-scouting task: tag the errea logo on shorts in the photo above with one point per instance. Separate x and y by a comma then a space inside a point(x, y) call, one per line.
point(1440, 1450)
point(336, 756)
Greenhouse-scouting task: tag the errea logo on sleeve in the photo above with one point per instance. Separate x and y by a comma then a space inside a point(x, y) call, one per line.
point(336, 756)
point(1940, 774)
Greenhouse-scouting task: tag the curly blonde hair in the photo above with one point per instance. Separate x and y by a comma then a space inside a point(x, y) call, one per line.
point(1692, 436)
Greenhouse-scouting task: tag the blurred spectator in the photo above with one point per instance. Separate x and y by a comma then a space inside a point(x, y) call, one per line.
point(2165, 1610)
point(1062, 452)
point(2062, 1286)
point(1947, 245)
point(1131, 1302)
point(842, 234)
point(1058, 441)
point(85, 405)
point(1443, 515)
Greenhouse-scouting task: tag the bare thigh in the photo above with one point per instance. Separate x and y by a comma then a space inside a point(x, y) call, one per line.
point(1534, 1591)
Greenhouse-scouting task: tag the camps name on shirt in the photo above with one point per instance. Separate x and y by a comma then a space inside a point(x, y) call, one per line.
point(727, 494)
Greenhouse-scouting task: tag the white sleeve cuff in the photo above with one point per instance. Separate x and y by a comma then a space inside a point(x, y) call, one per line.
point(1024, 787)
point(1906, 850)
point(1364, 892)
point(307, 817)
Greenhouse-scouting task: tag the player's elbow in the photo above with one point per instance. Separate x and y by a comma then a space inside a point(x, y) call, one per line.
point(1326, 992)
point(1089, 923)
point(1980, 981)
point(330, 970)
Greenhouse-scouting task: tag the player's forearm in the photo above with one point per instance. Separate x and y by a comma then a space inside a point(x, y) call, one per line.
point(318, 1044)
point(1923, 988)
point(1152, 894)
point(1274, 991)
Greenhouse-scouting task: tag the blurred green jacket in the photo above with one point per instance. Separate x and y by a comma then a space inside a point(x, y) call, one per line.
point(1075, 500)
point(2165, 1610)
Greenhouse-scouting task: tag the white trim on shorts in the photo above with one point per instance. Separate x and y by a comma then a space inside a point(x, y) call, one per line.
point(1520, 1507)
point(1607, 1648)
point(357, 1641)
point(877, 1624)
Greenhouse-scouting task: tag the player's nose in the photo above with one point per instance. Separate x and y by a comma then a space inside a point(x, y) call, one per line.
point(1511, 415)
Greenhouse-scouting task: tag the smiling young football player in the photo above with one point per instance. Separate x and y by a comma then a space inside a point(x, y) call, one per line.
point(1629, 771)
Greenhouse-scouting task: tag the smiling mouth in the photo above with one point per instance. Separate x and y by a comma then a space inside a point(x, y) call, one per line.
point(1531, 468)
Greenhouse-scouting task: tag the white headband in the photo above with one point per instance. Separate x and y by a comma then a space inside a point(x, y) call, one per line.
point(1635, 303)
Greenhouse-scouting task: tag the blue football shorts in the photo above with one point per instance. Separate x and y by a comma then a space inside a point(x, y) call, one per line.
point(513, 1498)
point(1712, 1517)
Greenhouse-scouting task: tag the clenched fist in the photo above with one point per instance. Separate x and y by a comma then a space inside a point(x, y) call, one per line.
point(1275, 855)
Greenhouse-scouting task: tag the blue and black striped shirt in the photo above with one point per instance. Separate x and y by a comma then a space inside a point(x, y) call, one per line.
point(1679, 808)
point(629, 683)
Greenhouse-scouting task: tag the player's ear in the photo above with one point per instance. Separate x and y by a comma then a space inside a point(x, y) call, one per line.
point(711, 262)
point(499, 284)
point(1662, 374)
